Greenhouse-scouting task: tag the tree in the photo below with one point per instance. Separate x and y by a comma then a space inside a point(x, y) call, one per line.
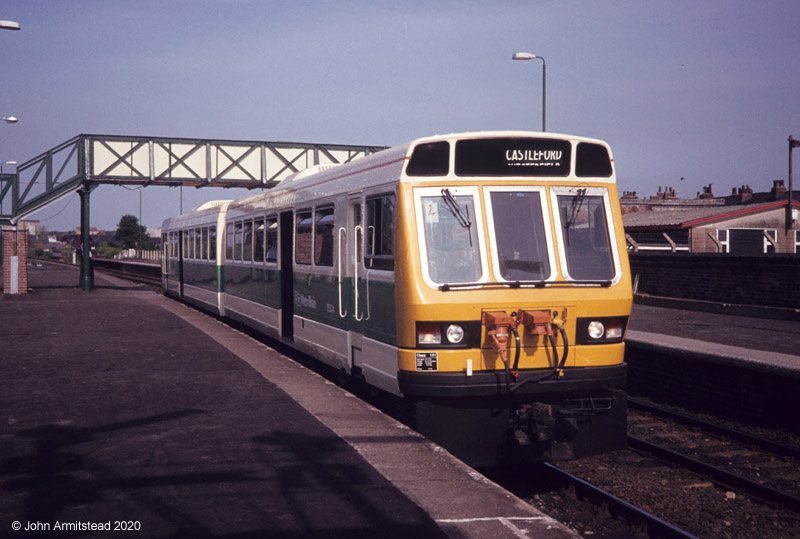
point(131, 234)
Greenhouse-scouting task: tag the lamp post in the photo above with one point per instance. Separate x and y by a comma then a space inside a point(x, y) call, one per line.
point(529, 56)
point(789, 213)
point(10, 119)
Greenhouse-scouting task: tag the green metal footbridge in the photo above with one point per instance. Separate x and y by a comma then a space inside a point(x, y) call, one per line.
point(86, 161)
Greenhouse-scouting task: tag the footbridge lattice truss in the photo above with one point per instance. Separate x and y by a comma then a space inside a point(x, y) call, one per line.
point(89, 160)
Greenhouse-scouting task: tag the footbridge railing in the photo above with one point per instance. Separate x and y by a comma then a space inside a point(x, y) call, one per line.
point(86, 161)
point(89, 160)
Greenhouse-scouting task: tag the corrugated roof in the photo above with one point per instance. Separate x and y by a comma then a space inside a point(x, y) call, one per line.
point(687, 217)
point(669, 218)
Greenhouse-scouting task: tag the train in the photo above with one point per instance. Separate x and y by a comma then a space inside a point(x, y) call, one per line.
point(482, 278)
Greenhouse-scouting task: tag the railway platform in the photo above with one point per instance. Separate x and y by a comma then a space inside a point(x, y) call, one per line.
point(754, 343)
point(124, 409)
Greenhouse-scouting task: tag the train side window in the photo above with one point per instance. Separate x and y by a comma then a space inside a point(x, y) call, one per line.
point(272, 240)
point(359, 237)
point(258, 239)
point(380, 233)
point(247, 241)
point(303, 234)
point(191, 244)
point(204, 241)
point(212, 243)
point(323, 237)
point(229, 242)
point(237, 241)
point(198, 244)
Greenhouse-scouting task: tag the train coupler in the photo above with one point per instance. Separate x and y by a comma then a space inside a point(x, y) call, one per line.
point(536, 322)
point(499, 325)
point(578, 426)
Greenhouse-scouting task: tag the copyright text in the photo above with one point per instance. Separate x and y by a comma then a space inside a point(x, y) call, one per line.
point(111, 525)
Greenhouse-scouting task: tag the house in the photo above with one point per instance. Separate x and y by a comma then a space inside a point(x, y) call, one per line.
point(742, 223)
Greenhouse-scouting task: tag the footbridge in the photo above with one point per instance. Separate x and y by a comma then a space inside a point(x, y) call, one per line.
point(86, 161)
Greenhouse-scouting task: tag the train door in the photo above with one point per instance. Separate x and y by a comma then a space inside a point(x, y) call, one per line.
point(286, 261)
point(165, 255)
point(356, 291)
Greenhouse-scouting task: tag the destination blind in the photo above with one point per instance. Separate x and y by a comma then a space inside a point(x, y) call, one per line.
point(512, 157)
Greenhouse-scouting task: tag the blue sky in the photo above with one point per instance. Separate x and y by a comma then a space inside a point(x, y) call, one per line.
point(708, 91)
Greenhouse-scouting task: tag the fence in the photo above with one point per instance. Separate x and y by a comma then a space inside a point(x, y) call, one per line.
point(133, 254)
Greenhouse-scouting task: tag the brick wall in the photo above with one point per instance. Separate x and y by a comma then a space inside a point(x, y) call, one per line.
point(766, 280)
point(15, 243)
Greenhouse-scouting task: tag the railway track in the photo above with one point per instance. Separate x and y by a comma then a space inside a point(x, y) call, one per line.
point(680, 477)
point(641, 522)
point(741, 474)
point(695, 476)
point(140, 273)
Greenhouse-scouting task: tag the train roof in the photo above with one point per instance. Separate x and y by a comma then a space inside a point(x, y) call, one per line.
point(204, 213)
point(381, 169)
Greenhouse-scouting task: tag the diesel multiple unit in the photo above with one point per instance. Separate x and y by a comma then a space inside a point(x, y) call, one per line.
point(482, 277)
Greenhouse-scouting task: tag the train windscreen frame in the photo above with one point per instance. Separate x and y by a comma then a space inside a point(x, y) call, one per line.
point(513, 156)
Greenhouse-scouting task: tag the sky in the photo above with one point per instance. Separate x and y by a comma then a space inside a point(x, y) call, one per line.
point(686, 93)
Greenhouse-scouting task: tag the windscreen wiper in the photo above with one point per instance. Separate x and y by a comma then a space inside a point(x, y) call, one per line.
point(577, 202)
point(462, 219)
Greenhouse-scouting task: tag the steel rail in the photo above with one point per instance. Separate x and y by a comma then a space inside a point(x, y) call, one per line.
point(715, 474)
point(132, 272)
point(744, 438)
point(656, 527)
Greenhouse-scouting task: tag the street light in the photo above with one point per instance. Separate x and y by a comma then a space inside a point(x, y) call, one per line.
point(9, 163)
point(9, 25)
point(10, 119)
point(793, 143)
point(529, 56)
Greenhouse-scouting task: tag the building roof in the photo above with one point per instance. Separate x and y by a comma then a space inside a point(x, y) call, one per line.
point(680, 218)
point(669, 218)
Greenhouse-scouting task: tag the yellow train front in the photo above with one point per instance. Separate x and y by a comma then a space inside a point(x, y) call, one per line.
point(512, 296)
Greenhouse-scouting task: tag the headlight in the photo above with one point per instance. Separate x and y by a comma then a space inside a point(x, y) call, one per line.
point(448, 334)
point(455, 334)
point(600, 330)
point(596, 329)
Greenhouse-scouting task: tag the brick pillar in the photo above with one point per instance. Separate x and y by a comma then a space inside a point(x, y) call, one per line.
point(15, 261)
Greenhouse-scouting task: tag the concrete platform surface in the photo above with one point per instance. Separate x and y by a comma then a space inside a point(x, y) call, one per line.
point(751, 342)
point(121, 407)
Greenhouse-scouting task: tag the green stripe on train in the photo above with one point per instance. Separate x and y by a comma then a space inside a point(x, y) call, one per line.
point(316, 297)
point(254, 283)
